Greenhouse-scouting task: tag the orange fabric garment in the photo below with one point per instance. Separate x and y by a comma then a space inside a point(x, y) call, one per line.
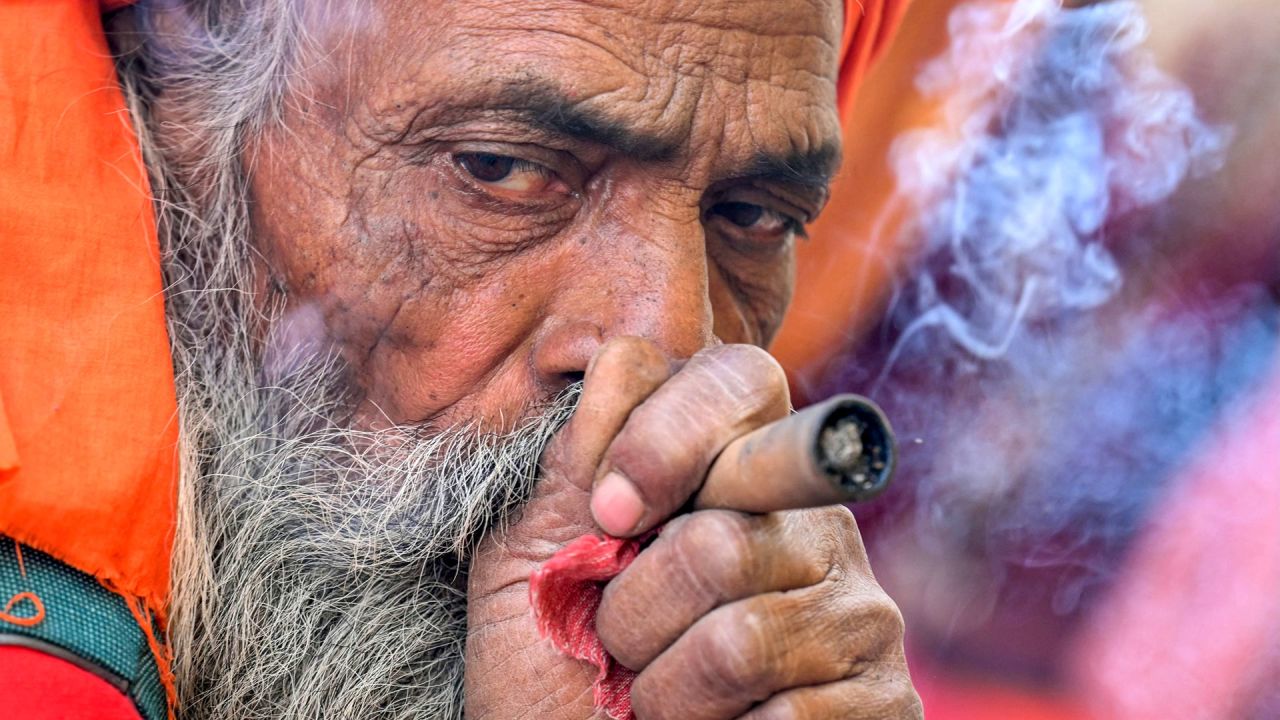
point(844, 272)
point(88, 433)
point(869, 27)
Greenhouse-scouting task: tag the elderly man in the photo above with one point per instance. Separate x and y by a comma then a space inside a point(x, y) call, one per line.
point(449, 285)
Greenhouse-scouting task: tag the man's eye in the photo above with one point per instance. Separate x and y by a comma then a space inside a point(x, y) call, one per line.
point(757, 219)
point(506, 172)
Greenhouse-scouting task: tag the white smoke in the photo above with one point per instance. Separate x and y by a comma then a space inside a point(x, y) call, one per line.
point(1055, 121)
point(1051, 408)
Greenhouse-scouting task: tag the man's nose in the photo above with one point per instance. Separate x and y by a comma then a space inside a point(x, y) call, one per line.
point(653, 286)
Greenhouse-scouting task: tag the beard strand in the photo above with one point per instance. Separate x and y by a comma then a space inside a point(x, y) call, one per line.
point(321, 571)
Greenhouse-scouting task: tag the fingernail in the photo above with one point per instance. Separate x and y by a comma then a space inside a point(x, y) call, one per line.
point(616, 504)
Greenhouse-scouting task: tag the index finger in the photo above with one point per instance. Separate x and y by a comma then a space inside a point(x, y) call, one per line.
point(661, 456)
point(623, 372)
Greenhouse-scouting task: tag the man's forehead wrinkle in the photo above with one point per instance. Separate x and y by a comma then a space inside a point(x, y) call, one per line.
point(555, 31)
point(739, 57)
point(720, 37)
point(564, 19)
point(776, 18)
point(729, 88)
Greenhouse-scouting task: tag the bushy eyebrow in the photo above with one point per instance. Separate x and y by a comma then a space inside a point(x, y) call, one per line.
point(548, 110)
point(812, 168)
point(551, 112)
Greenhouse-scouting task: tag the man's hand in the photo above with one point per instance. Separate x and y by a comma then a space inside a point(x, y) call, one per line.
point(726, 615)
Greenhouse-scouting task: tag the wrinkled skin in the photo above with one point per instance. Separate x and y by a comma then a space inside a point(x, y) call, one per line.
point(725, 615)
point(665, 157)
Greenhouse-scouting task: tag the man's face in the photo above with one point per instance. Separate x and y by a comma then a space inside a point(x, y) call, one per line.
point(474, 196)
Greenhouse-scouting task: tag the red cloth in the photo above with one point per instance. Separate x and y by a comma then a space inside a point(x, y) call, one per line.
point(37, 686)
point(565, 593)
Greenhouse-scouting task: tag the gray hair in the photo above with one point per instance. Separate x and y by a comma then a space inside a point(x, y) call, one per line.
point(318, 571)
point(200, 78)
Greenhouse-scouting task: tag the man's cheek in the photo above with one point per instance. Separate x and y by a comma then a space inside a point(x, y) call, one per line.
point(432, 322)
point(750, 298)
point(454, 360)
point(442, 334)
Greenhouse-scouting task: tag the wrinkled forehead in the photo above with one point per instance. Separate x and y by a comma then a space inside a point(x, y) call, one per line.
point(691, 76)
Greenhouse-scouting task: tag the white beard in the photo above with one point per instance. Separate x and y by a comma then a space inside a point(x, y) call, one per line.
point(320, 573)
